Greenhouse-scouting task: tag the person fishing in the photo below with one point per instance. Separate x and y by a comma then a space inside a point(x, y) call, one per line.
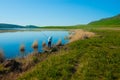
point(49, 41)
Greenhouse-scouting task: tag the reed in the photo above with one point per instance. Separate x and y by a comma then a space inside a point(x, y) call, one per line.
point(35, 46)
point(80, 34)
point(44, 44)
point(22, 49)
point(59, 43)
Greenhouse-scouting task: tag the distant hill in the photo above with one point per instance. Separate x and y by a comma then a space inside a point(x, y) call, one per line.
point(31, 26)
point(3, 25)
point(107, 21)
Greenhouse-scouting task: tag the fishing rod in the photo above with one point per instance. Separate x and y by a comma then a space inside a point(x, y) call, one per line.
point(45, 35)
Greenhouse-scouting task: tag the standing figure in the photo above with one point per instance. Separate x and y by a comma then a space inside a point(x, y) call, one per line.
point(49, 41)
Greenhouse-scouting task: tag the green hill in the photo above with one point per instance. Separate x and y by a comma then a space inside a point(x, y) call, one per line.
point(107, 21)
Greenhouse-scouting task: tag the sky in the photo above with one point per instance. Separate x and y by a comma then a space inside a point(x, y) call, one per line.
point(56, 12)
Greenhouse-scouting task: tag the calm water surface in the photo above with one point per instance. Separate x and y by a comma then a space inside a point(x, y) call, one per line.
point(11, 41)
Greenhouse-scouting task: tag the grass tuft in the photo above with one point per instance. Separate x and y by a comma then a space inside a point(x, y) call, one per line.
point(2, 58)
point(59, 43)
point(35, 46)
point(22, 49)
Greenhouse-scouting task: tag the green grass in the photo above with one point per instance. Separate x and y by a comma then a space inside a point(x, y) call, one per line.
point(106, 22)
point(97, 58)
point(85, 27)
point(115, 20)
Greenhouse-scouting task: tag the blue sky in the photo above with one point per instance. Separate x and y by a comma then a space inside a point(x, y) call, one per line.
point(56, 12)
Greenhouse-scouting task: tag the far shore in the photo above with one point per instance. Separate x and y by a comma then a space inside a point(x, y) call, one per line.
point(2, 31)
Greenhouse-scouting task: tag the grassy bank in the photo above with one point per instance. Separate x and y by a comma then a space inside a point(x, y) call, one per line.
point(86, 27)
point(97, 58)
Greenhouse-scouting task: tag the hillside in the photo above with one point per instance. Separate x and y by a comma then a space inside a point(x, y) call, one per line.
point(115, 20)
point(3, 25)
point(31, 26)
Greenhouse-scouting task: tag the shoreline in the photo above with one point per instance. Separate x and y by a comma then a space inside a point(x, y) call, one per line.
point(26, 63)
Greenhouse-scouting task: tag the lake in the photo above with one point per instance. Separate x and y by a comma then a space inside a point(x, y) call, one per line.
point(11, 41)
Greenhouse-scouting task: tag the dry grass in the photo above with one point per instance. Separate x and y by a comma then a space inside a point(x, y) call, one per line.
point(80, 34)
point(28, 62)
point(44, 44)
point(35, 46)
point(22, 49)
point(45, 47)
point(59, 43)
point(2, 58)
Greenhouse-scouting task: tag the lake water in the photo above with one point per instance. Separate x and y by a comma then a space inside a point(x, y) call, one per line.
point(11, 41)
